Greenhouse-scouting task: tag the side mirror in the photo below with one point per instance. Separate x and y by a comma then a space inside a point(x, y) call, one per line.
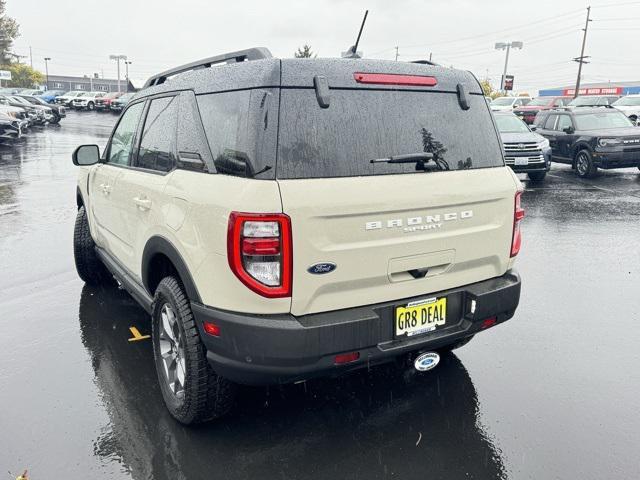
point(533, 128)
point(568, 130)
point(86, 155)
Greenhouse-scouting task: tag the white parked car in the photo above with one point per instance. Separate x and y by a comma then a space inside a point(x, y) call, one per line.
point(86, 100)
point(67, 97)
point(630, 106)
point(507, 104)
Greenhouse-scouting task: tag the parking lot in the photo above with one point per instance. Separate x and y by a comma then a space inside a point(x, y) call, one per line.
point(553, 393)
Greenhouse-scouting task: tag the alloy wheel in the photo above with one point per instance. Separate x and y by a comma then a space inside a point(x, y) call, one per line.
point(171, 343)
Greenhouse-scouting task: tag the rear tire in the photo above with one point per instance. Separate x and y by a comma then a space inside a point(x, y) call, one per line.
point(456, 344)
point(91, 106)
point(88, 265)
point(536, 176)
point(192, 391)
point(585, 167)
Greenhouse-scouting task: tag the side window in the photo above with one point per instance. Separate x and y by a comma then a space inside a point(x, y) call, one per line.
point(157, 144)
point(564, 122)
point(558, 102)
point(122, 140)
point(550, 123)
point(241, 130)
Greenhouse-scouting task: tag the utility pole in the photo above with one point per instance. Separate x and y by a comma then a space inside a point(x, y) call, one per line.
point(430, 56)
point(581, 58)
point(126, 75)
point(396, 54)
point(117, 58)
point(46, 69)
point(30, 57)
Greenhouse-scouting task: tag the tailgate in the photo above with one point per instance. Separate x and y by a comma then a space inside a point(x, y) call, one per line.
point(396, 236)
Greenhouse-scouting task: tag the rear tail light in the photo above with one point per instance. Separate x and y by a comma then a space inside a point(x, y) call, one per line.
point(395, 79)
point(259, 251)
point(518, 215)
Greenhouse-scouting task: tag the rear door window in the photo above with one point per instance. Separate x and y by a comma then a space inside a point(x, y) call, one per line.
point(551, 122)
point(157, 145)
point(362, 125)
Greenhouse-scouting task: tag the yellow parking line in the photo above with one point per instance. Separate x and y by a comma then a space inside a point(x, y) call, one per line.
point(137, 336)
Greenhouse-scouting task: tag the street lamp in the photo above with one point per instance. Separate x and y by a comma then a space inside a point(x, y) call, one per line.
point(46, 68)
point(126, 65)
point(117, 58)
point(507, 46)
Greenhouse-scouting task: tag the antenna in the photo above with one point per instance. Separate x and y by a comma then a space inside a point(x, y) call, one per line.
point(353, 51)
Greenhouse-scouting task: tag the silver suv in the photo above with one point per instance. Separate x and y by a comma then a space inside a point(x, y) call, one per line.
point(282, 219)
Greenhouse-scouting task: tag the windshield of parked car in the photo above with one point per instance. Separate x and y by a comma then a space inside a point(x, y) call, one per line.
point(510, 124)
point(582, 101)
point(503, 101)
point(602, 121)
point(539, 102)
point(20, 100)
point(627, 102)
point(126, 97)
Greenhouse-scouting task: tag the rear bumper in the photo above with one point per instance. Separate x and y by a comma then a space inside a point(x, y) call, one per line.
point(271, 349)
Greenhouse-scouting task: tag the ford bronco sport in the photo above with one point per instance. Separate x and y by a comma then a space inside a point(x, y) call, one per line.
point(287, 219)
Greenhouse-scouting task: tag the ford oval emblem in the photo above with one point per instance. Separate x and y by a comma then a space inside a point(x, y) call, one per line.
point(322, 268)
point(426, 361)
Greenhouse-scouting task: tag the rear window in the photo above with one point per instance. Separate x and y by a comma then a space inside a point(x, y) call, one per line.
point(361, 125)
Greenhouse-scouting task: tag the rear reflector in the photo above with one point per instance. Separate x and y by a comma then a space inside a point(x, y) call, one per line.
point(211, 329)
point(488, 322)
point(346, 358)
point(395, 79)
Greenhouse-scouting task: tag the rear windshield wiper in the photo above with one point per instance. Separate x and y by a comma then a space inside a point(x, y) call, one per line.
point(419, 158)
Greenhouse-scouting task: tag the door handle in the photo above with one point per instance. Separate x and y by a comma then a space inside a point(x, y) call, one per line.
point(142, 203)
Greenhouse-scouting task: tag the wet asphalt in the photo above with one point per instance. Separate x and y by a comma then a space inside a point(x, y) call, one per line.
point(553, 393)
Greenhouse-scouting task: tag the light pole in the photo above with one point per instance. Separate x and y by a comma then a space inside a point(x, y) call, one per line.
point(507, 46)
point(126, 65)
point(117, 58)
point(46, 69)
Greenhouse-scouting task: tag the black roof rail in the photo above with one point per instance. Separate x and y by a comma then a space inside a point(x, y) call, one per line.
point(257, 53)
point(425, 62)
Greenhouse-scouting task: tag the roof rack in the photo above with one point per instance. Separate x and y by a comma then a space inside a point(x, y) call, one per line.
point(425, 62)
point(257, 53)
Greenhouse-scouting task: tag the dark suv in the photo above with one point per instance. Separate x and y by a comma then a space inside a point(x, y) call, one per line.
point(591, 138)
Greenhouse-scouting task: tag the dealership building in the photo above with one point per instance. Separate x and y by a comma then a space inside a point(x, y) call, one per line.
point(90, 84)
point(610, 88)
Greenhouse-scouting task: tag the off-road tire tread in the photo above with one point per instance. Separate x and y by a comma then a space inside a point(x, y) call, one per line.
point(207, 395)
point(88, 265)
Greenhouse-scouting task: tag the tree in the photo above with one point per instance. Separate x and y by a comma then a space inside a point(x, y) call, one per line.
point(8, 32)
point(23, 76)
point(488, 89)
point(303, 52)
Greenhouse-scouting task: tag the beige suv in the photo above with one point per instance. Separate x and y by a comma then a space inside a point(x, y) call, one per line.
point(287, 219)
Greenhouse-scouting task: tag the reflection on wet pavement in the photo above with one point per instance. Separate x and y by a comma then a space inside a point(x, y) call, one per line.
point(550, 394)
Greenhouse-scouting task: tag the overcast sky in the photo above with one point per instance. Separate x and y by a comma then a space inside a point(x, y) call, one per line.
point(80, 35)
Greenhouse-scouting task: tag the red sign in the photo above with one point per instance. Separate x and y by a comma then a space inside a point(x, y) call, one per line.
point(570, 92)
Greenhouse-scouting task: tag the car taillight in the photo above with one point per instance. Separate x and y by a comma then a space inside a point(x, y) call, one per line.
point(395, 79)
point(518, 215)
point(260, 252)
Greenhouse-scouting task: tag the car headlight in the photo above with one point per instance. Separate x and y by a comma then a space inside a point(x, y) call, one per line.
point(608, 142)
point(544, 144)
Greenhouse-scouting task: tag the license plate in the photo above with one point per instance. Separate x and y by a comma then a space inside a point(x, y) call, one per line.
point(522, 161)
point(419, 317)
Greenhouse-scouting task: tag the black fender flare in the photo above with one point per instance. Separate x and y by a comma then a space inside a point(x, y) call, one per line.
point(79, 199)
point(580, 145)
point(158, 244)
